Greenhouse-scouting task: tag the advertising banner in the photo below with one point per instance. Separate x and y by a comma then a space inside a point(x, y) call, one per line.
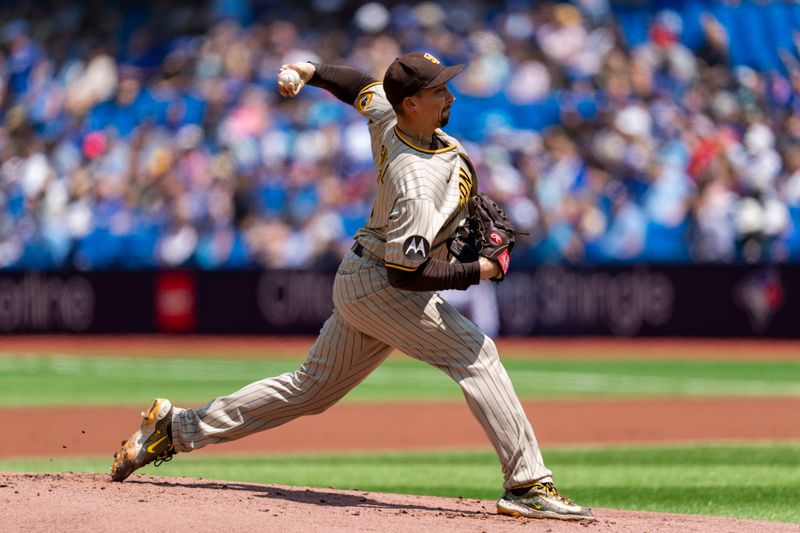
point(713, 301)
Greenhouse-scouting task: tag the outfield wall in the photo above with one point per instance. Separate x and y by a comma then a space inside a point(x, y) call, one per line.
point(718, 301)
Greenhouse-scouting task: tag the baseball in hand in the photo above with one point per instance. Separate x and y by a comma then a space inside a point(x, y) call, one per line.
point(289, 80)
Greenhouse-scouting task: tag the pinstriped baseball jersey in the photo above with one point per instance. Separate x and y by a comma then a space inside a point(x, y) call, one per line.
point(421, 194)
point(421, 199)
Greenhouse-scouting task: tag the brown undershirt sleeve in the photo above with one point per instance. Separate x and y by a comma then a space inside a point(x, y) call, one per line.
point(343, 82)
point(436, 275)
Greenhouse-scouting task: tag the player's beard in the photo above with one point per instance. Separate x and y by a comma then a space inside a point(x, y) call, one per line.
point(444, 117)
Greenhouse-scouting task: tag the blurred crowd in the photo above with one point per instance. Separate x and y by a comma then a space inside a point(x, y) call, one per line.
point(151, 134)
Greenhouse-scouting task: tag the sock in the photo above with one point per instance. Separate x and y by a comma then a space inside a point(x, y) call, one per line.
point(519, 491)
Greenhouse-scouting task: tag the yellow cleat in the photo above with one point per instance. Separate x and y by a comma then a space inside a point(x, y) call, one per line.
point(542, 500)
point(152, 442)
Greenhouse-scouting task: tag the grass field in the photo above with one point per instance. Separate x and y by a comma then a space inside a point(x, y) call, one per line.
point(740, 480)
point(40, 379)
point(760, 481)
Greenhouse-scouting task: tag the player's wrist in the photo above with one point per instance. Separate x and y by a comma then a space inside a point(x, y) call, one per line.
point(306, 69)
point(294, 76)
point(489, 268)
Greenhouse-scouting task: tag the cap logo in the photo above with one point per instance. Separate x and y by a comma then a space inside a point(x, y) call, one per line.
point(432, 59)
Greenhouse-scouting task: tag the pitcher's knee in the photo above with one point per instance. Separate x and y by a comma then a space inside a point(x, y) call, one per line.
point(488, 359)
point(489, 349)
point(317, 409)
point(313, 391)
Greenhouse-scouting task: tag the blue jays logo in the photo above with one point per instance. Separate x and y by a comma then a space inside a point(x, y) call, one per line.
point(761, 295)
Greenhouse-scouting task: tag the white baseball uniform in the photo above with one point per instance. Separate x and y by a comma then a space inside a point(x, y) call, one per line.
point(421, 198)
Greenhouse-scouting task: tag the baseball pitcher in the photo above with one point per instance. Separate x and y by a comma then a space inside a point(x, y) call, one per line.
point(427, 212)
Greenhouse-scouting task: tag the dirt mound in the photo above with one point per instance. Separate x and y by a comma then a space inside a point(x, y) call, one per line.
point(91, 502)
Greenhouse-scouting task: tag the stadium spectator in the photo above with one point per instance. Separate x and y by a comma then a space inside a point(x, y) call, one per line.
point(612, 132)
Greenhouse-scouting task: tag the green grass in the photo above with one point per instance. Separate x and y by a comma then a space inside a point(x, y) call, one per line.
point(757, 481)
point(67, 380)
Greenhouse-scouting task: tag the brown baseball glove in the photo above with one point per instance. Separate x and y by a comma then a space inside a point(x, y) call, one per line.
point(488, 232)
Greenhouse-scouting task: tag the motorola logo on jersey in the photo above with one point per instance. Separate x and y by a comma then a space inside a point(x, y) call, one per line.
point(416, 247)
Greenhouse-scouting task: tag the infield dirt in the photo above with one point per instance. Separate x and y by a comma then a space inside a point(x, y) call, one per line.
point(69, 431)
point(91, 502)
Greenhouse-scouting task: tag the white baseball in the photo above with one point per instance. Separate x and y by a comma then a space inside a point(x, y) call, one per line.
point(289, 77)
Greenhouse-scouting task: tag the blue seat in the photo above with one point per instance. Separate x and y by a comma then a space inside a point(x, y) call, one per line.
point(537, 116)
point(99, 249)
point(353, 220)
point(272, 198)
point(35, 256)
point(666, 245)
point(793, 240)
point(138, 247)
point(690, 11)
point(725, 15)
point(634, 23)
point(781, 27)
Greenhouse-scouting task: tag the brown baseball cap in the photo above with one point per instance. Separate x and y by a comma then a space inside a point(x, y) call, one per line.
point(414, 71)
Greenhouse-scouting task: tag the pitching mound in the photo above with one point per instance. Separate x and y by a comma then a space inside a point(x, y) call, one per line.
point(91, 502)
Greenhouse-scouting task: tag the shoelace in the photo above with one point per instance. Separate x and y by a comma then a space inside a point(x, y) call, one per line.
point(164, 457)
point(550, 490)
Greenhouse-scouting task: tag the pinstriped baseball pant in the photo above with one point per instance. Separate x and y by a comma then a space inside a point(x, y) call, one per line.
point(371, 318)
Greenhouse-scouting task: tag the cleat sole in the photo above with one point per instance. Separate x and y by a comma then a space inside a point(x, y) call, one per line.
point(517, 510)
